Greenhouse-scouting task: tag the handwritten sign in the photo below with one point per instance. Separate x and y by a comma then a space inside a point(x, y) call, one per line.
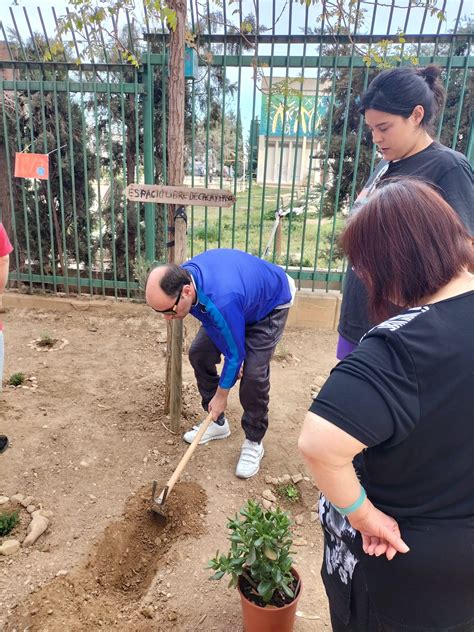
point(179, 195)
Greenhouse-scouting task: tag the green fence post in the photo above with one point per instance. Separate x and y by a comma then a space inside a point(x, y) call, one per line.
point(148, 151)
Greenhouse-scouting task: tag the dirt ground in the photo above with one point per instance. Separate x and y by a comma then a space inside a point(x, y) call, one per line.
point(88, 436)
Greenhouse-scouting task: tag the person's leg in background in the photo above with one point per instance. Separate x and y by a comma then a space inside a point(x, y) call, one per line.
point(261, 340)
point(344, 347)
point(204, 356)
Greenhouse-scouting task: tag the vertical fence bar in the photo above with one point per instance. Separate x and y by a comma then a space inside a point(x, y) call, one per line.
point(283, 125)
point(250, 159)
point(208, 122)
point(448, 69)
point(164, 136)
point(65, 257)
point(113, 229)
point(124, 178)
point(461, 103)
point(343, 147)
point(20, 147)
point(237, 130)
point(296, 146)
point(326, 161)
point(73, 183)
point(311, 156)
point(10, 177)
point(148, 157)
point(223, 121)
point(267, 135)
point(99, 193)
point(86, 188)
point(35, 182)
point(193, 128)
point(138, 116)
point(48, 189)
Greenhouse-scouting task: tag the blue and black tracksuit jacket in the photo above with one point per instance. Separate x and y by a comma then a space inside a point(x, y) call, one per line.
point(234, 289)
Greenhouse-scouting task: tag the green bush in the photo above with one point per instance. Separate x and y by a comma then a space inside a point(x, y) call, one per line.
point(8, 521)
point(46, 341)
point(17, 379)
point(259, 551)
point(290, 492)
point(212, 232)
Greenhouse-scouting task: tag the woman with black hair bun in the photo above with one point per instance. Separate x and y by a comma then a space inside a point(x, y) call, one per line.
point(400, 106)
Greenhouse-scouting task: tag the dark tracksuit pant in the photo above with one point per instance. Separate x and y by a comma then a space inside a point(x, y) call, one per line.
point(261, 339)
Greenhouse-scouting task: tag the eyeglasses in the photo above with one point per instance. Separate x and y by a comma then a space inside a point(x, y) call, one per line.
point(171, 310)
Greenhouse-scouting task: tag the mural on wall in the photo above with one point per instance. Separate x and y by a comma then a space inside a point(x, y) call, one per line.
point(292, 116)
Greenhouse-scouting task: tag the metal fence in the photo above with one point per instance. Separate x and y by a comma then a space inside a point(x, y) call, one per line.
point(270, 112)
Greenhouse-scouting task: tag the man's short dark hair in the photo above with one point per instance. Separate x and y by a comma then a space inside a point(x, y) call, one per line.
point(174, 279)
point(405, 243)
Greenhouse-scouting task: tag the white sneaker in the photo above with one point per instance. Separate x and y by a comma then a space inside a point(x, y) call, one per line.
point(250, 456)
point(214, 431)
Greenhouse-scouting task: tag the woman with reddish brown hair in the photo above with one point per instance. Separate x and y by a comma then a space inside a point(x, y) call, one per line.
point(399, 532)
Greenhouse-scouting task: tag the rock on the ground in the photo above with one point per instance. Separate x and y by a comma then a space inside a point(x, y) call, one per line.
point(9, 547)
point(3, 500)
point(266, 504)
point(299, 519)
point(27, 501)
point(37, 526)
point(147, 611)
point(314, 516)
point(286, 478)
point(17, 498)
point(269, 495)
point(297, 478)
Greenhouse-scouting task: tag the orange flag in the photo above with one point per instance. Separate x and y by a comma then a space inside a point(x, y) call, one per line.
point(32, 166)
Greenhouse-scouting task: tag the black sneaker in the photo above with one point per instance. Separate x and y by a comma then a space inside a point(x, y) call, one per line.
point(3, 443)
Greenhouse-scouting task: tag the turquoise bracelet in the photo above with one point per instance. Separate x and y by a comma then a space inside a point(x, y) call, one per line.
point(355, 505)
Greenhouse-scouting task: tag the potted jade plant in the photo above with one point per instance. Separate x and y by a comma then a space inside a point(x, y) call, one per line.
point(260, 566)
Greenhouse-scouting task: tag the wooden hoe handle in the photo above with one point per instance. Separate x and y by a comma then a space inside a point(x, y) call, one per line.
point(187, 455)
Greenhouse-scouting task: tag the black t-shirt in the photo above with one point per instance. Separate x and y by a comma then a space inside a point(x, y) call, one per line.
point(448, 170)
point(407, 392)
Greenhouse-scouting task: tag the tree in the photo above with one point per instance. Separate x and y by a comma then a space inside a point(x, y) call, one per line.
point(45, 122)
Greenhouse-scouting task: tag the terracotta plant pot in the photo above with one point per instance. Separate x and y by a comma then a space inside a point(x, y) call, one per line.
point(270, 619)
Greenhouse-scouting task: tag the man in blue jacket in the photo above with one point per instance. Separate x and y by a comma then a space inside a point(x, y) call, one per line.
point(242, 303)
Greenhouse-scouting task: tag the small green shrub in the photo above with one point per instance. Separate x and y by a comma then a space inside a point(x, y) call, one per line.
point(259, 551)
point(46, 341)
point(17, 379)
point(141, 270)
point(8, 521)
point(212, 232)
point(290, 492)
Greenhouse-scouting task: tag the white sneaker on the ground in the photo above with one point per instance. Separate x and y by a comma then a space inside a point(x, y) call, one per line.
point(250, 456)
point(214, 431)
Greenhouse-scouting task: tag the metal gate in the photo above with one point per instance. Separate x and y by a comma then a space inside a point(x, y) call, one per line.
point(270, 114)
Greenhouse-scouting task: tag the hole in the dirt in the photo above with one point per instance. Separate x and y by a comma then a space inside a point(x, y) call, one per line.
point(119, 569)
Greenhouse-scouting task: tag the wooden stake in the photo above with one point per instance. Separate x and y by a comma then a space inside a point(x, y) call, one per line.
point(176, 95)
